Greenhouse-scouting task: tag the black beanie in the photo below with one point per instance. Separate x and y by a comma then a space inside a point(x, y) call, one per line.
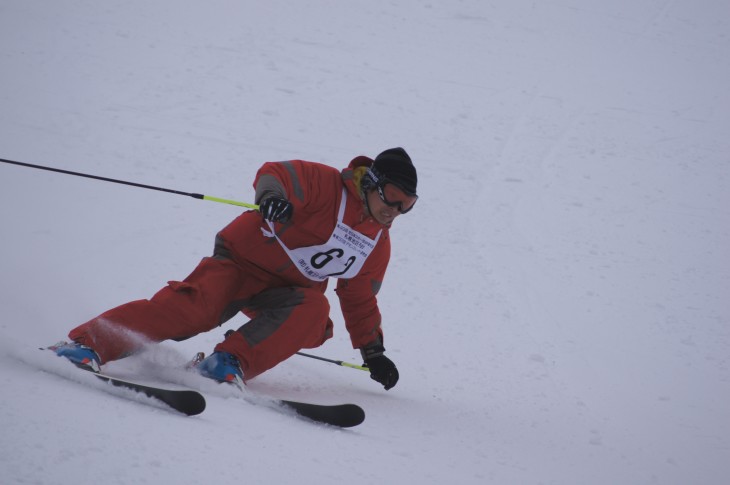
point(396, 167)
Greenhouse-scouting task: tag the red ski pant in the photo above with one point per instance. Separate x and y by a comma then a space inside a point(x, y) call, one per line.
point(284, 319)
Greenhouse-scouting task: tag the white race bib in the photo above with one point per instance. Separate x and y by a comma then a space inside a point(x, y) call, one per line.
point(342, 256)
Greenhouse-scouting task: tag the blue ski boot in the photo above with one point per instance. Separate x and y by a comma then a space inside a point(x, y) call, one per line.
point(81, 355)
point(222, 367)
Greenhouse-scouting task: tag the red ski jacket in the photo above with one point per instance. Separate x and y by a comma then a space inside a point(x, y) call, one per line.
point(315, 190)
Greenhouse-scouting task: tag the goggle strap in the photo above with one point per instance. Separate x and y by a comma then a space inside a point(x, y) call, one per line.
point(373, 175)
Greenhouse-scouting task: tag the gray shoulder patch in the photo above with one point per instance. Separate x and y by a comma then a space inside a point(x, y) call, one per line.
point(296, 183)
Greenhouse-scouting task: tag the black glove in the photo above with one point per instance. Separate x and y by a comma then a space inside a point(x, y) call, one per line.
point(276, 209)
point(382, 369)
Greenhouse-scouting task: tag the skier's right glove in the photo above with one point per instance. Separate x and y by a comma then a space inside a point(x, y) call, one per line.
point(382, 369)
point(276, 209)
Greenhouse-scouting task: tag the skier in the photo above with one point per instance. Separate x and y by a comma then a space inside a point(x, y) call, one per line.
point(314, 222)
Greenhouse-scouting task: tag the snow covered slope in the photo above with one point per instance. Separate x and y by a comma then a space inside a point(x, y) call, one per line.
point(557, 304)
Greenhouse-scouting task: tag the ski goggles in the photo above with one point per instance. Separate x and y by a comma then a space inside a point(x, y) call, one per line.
point(394, 196)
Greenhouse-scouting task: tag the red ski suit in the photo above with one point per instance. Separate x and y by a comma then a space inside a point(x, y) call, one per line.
point(250, 272)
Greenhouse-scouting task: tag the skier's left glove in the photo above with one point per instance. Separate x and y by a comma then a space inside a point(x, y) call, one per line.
point(382, 369)
point(276, 209)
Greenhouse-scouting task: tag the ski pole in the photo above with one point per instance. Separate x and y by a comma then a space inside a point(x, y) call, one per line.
point(338, 362)
point(134, 184)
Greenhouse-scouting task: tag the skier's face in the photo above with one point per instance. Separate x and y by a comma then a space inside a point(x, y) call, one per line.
point(393, 196)
point(388, 202)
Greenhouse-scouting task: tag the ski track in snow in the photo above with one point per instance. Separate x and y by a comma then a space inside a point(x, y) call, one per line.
point(557, 304)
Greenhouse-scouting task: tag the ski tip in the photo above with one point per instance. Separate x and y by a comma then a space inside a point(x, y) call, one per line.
point(340, 415)
point(195, 404)
point(356, 415)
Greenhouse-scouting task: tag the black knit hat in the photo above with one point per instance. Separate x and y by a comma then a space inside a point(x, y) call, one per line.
point(395, 166)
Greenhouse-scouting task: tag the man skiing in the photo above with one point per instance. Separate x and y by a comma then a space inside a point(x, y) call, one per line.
point(314, 223)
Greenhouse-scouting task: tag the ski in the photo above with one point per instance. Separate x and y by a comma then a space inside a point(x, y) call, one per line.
point(191, 402)
point(340, 415)
point(184, 401)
